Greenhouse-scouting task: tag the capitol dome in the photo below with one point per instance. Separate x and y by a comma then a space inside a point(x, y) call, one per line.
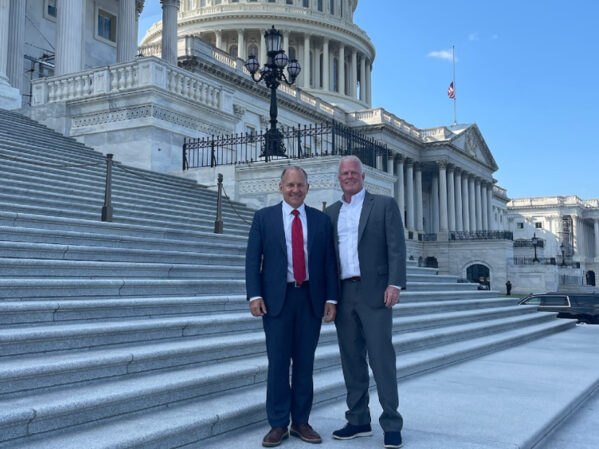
point(336, 55)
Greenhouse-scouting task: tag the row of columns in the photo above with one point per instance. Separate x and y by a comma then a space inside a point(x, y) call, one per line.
point(596, 229)
point(461, 201)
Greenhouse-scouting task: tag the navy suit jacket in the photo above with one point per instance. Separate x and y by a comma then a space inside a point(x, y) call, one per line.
point(266, 259)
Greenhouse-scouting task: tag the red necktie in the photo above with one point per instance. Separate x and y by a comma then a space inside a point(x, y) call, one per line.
point(297, 245)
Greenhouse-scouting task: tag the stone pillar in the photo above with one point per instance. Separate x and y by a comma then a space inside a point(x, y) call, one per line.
point(341, 71)
point(368, 81)
point(262, 47)
point(241, 45)
point(325, 65)
point(466, 202)
point(483, 198)
point(596, 225)
point(218, 34)
point(399, 187)
point(443, 222)
point(169, 30)
point(306, 69)
point(472, 201)
point(126, 33)
point(353, 73)
point(10, 98)
point(16, 40)
point(575, 232)
point(286, 42)
point(435, 203)
point(479, 217)
point(450, 199)
point(69, 37)
point(362, 78)
point(410, 195)
point(459, 223)
point(419, 222)
point(490, 215)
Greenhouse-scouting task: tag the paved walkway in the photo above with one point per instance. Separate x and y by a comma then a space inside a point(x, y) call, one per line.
point(506, 400)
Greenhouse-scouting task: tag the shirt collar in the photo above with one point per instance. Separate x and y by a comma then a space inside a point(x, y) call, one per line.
point(287, 209)
point(358, 197)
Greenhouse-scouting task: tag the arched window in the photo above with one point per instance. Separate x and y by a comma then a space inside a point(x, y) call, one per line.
point(292, 53)
point(319, 5)
point(332, 6)
point(312, 68)
point(320, 66)
point(253, 51)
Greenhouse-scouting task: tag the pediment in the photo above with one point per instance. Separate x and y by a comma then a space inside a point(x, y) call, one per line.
point(471, 142)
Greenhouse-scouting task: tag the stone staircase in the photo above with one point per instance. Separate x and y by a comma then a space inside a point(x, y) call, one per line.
point(136, 333)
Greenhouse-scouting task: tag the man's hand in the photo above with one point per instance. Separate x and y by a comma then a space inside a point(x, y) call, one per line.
point(391, 296)
point(257, 307)
point(330, 310)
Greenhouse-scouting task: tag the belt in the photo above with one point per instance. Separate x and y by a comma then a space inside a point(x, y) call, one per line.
point(352, 279)
point(296, 284)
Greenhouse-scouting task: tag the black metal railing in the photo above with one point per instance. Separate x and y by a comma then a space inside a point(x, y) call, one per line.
point(481, 235)
point(301, 142)
point(527, 243)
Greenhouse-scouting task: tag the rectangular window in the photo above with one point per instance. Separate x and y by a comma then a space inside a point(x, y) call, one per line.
point(289, 2)
point(50, 9)
point(106, 25)
point(520, 225)
point(306, 3)
point(538, 225)
point(332, 6)
point(319, 5)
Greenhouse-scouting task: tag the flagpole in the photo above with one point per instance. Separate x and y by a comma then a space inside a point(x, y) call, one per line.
point(455, 120)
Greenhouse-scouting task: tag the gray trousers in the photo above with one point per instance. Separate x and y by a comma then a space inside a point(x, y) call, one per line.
point(365, 331)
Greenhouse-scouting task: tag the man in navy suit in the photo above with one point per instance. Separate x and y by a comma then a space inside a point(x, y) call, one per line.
point(292, 283)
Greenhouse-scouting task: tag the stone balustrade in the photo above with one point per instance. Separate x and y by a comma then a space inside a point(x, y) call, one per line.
point(380, 116)
point(142, 73)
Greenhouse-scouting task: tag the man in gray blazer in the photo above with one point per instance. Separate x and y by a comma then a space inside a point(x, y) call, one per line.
point(371, 254)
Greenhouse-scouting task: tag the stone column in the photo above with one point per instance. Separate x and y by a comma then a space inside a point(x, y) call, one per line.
point(419, 222)
point(353, 74)
point(410, 194)
point(443, 222)
point(286, 42)
point(16, 40)
point(362, 78)
point(69, 37)
point(479, 217)
point(596, 224)
point(218, 34)
point(435, 203)
point(472, 203)
point(368, 81)
point(241, 45)
point(306, 69)
point(575, 231)
point(325, 65)
point(490, 215)
point(483, 199)
point(399, 187)
point(126, 33)
point(169, 30)
point(341, 71)
point(459, 223)
point(450, 199)
point(262, 47)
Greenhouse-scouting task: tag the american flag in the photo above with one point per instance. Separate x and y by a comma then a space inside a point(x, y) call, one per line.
point(451, 91)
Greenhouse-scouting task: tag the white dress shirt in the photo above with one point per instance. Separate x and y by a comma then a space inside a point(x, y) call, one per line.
point(287, 221)
point(347, 232)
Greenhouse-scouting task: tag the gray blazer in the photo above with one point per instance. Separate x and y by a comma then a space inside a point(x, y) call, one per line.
point(381, 245)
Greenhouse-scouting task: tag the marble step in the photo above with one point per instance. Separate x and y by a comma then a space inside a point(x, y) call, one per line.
point(193, 420)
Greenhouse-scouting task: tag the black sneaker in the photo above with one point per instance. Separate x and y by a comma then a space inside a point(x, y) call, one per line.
point(350, 431)
point(393, 440)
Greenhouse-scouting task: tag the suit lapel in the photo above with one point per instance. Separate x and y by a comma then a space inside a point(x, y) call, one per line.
point(279, 229)
point(310, 220)
point(366, 209)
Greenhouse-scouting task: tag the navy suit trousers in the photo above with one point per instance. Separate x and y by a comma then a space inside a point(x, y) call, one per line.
point(291, 338)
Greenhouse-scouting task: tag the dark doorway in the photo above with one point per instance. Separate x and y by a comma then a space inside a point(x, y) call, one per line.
point(479, 273)
point(431, 262)
point(591, 278)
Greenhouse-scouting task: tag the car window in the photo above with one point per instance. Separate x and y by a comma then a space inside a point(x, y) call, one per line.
point(584, 300)
point(535, 301)
point(554, 301)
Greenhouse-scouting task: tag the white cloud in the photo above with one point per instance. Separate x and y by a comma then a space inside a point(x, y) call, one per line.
point(473, 36)
point(442, 54)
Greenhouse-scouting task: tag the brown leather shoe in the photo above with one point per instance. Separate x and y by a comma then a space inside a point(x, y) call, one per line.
point(275, 436)
point(306, 433)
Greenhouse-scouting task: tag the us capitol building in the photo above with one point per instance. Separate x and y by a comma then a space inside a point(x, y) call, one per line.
point(75, 66)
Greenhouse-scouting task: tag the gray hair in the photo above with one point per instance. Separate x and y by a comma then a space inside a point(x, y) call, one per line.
point(294, 167)
point(352, 158)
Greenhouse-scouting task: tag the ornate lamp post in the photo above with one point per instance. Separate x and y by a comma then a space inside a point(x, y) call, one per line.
point(535, 241)
point(562, 248)
point(272, 75)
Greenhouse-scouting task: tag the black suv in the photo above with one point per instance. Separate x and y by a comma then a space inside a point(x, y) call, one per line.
point(582, 306)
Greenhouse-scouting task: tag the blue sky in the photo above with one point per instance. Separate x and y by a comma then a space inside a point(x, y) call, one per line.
point(527, 73)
